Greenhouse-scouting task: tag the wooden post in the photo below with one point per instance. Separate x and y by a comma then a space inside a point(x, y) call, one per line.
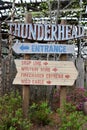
point(80, 67)
point(86, 73)
point(26, 89)
point(63, 89)
point(0, 62)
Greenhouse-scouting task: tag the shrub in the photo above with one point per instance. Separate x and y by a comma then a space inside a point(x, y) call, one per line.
point(75, 96)
point(11, 114)
point(70, 119)
point(40, 113)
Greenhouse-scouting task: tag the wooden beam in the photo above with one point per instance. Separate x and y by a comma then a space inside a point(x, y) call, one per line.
point(63, 89)
point(26, 89)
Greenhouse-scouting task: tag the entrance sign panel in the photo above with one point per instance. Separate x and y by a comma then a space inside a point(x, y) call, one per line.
point(34, 72)
point(33, 48)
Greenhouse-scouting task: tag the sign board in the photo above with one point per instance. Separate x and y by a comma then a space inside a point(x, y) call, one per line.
point(33, 48)
point(46, 32)
point(35, 72)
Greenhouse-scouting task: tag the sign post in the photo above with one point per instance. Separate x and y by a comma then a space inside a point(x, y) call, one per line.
point(63, 89)
point(26, 89)
point(35, 72)
point(0, 63)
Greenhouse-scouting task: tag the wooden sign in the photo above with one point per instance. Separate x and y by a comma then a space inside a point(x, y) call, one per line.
point(33, 48)
point(46, 32)
point(34, 72)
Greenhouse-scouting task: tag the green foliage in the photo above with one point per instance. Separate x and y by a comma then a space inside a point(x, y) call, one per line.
point(70, 119)
point(11, 114)
point(44, 8)
point(40, 113)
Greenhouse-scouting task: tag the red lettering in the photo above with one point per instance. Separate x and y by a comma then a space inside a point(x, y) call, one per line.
point(36, 62)
point(56, 76)
point(39, 82)
point(45, 69)
point(32, 75)
point(25, 68)
point(25, 81)
point(25, 62)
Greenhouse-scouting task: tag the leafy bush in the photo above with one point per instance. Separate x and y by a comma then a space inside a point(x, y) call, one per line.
point(11, 114)
point(76, 97)
point(40, 113)
point(70, 119)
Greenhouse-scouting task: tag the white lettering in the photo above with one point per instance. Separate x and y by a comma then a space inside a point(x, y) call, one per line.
point(68, 32)
point(32, 31)
point(46, 32)
point(24, 30)
point(61, 32)
point(10, 31)
point(54, 33)
point(17, 30)
point(74, 31)
point(40, 31)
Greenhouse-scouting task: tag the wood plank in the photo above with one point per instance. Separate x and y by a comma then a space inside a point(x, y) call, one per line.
point(63, 73)
point(65, 64)
point(80, 67)
point(32, 48)
point(26, 89)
